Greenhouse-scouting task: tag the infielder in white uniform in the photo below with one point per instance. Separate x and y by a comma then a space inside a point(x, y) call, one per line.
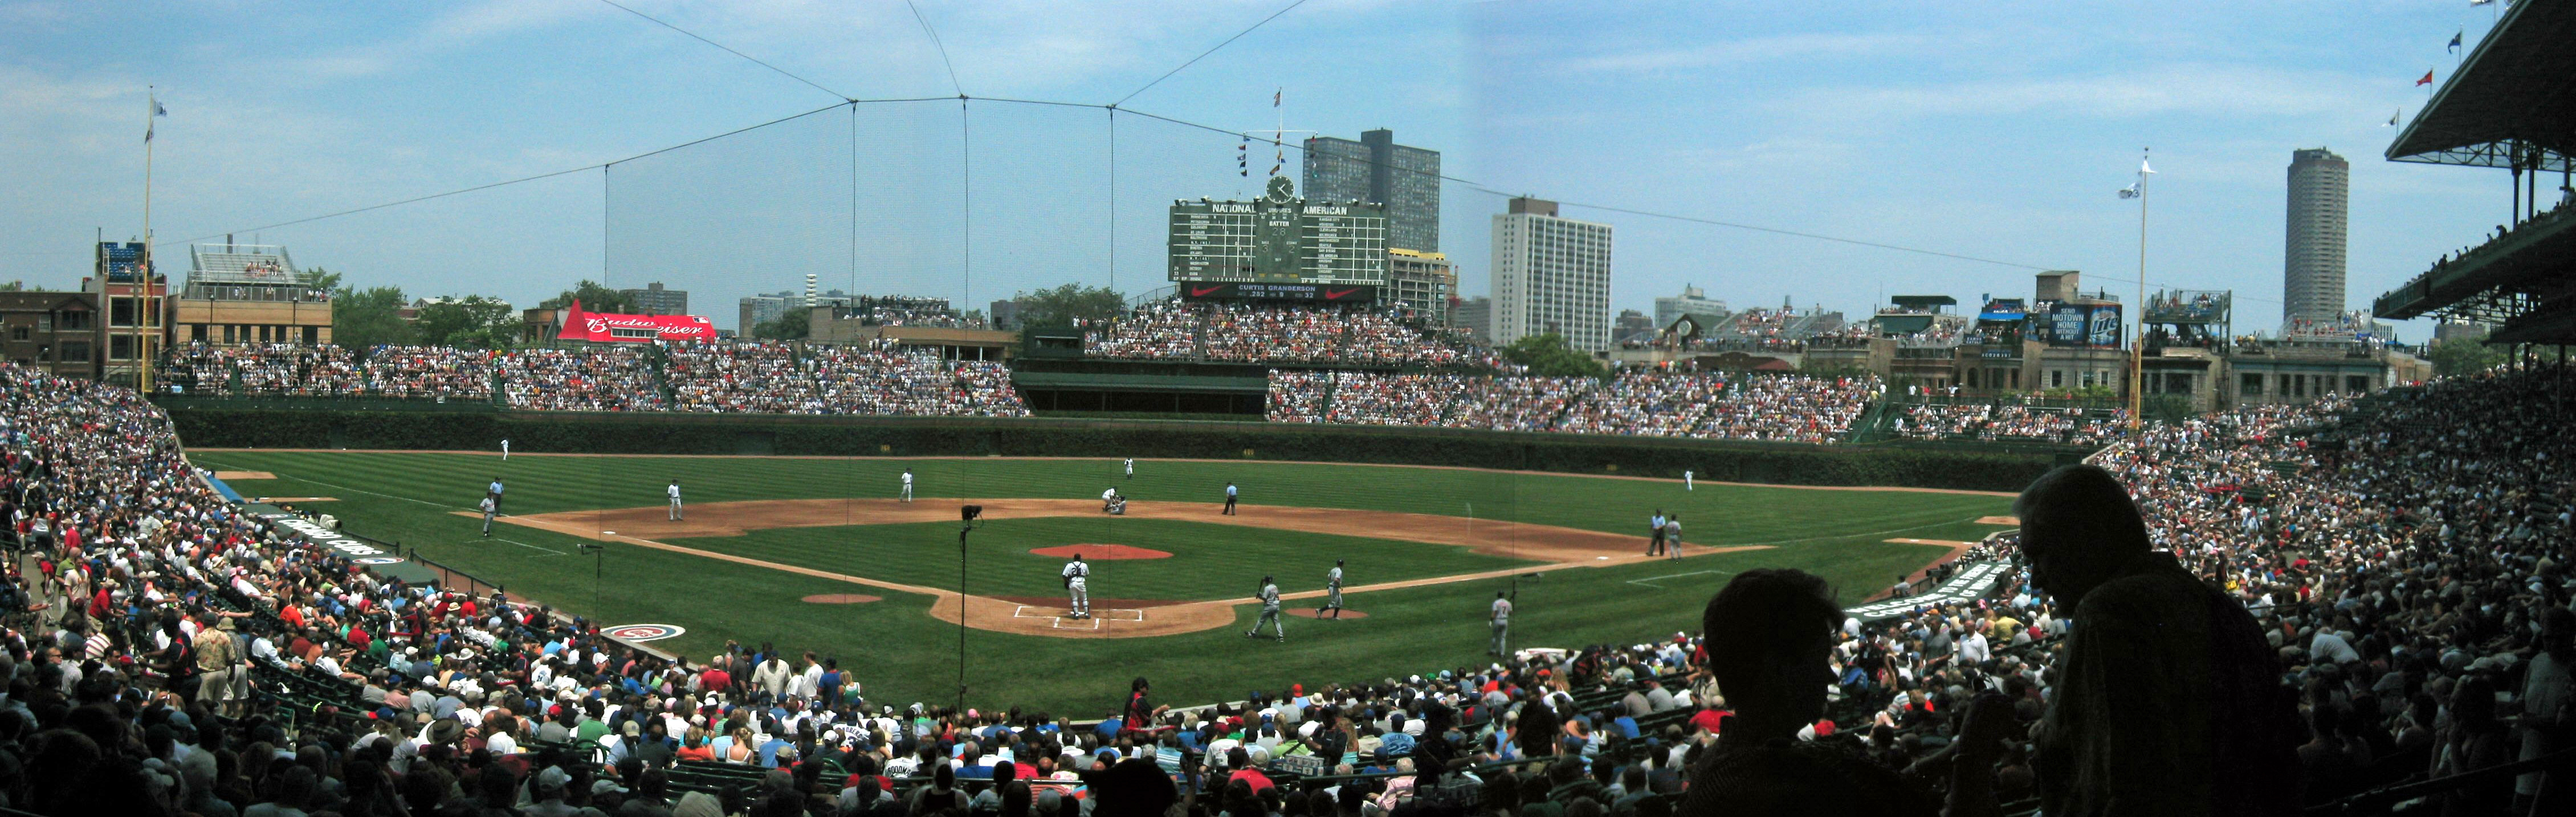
point(1131, 467)
point(488, 507)
point(1332, 591)
point(1502, 624)
point(1269, 612)
point(1078, 587)
point(907, 485)
point(675, 501)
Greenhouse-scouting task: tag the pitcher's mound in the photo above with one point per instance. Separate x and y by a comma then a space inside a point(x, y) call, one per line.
point(1101, 553)
point(842, 598)
point(1309, 612)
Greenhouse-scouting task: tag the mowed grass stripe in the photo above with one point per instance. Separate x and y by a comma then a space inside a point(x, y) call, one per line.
point(1713, 514)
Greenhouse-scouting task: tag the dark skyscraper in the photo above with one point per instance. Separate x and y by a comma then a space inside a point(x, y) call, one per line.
point(1376, 170)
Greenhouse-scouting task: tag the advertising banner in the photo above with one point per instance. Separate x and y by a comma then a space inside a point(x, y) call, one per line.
point(1286, 292)
point(2066, 325)
point(608, 327)
point(2104, 331)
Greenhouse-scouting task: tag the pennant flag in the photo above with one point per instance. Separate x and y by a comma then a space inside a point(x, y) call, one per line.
point(2455, 39)
point(157, 110)
point(2129, 192)
point(1274, 96)
point(2427, 80)
point(2143, 168)
point(2392, 118)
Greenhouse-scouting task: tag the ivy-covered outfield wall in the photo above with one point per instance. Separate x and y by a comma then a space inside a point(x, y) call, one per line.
point(1916, 465)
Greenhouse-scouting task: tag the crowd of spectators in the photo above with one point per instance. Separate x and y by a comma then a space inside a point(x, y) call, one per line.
point(2401, 560)
point(2011, 422)
point(1794, 408)
point(1298, 396)
point(442, 372)
point(1254, 333)
point(881, 377)
point(899, 310)
point(1162, 330)
point(740, 377)
point(609, 378)
point(266, 369)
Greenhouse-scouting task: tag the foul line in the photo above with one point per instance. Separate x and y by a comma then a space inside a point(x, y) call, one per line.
point(549, 551)
point(1650, 580)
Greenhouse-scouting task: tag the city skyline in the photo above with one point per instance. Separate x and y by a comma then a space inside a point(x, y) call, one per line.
point(1992, 133)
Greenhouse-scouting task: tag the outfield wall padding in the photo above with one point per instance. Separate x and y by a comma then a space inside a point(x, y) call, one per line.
point(767, 435)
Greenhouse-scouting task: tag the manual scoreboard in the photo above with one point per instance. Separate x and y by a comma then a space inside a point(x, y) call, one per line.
point(1278, 238)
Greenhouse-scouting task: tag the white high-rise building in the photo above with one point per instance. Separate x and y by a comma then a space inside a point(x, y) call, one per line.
point(2312, 271)
point(1550, 274)
point(1691, 301)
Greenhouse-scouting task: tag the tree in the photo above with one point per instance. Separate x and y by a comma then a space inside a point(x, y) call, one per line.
point(1066, 304)
point(322, 279)
point(784, 327)
point(365, 318)
point(14, 286)
point(594, 296)
point(1549, 355)
point(2459, 356)
point(473, 321)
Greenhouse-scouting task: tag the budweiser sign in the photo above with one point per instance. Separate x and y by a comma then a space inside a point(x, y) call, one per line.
point(608, 327)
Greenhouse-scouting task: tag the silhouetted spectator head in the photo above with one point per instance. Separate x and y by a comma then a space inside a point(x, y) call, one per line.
point(2078, 526)
point(1769, 638)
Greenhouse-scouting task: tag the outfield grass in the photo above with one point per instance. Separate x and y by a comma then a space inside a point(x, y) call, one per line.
point(902, 655)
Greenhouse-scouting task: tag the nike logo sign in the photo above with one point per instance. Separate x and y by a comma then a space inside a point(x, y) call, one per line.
point(1330, 295)
point(1196, 292)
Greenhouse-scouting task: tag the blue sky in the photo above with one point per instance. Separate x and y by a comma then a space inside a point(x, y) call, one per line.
point(1997, 131)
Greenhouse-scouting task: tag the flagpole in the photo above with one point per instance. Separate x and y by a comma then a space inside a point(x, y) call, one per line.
point(2138, 341)
point(142, 355)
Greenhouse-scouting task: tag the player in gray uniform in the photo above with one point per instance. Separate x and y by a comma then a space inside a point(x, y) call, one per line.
point(1269, 611)
point(1077, 586)
point(1333, 592)
point(1502, 625)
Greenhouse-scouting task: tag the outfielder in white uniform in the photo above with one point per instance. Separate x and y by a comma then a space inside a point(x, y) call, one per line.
point(907, 485)
point(1131, 467)
point(505, 449)
point(1269, 612)
point(1686, 482)
point(1332, 592)
point(676, 515)
point(1077, 586)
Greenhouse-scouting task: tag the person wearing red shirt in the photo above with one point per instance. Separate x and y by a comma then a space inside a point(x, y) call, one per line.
point(715, 680)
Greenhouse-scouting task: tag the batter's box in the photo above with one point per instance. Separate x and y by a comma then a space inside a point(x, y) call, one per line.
point(1026, 611)
point(1061, 623)
point(1126, 615)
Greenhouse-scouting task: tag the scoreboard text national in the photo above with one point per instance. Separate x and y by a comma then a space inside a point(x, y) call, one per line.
point(1278, 238)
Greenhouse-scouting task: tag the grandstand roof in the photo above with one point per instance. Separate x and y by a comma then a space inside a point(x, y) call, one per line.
point(1923, 301)
point(2516, 91)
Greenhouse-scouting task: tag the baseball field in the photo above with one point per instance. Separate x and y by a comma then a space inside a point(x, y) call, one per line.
point(819, 554)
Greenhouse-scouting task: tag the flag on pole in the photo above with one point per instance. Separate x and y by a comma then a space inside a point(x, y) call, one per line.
point(2392, 118)
point(157, 111)
point(2426, 80)
point(1274, 96)
point(2480, 2)
point(2129, 192)
point(2455, 39)
point(2143, 168)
